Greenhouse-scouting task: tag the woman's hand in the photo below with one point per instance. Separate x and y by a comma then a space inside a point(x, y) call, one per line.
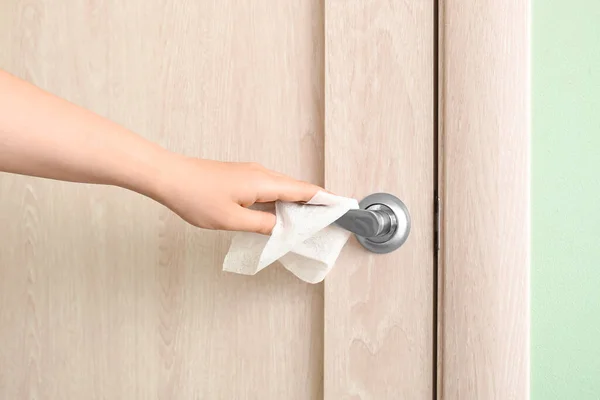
point(42, 135)
point(216, 195)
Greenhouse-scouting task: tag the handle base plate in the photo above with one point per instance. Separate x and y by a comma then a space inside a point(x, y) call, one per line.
point(397, 237)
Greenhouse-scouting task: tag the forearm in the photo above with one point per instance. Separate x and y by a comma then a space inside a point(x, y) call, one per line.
point(44, 136)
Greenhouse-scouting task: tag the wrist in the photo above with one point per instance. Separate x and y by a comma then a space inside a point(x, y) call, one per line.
point(147, 171)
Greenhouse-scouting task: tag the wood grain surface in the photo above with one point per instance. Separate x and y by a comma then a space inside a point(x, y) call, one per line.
point(107, 295)
point(379, 136)
point(484, 148)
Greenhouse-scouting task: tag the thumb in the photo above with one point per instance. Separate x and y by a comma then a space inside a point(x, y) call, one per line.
point(253, 221)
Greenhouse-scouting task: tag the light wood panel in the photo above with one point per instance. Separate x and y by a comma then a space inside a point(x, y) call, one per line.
point(484, 148)
point(379, 136)
point(105, 294)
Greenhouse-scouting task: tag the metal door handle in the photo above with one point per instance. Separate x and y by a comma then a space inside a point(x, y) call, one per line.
point(381, 225)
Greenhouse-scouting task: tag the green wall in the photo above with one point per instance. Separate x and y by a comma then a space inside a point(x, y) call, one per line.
point(565, 275)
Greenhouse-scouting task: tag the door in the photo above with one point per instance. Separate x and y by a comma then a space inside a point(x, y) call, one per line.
point(106, 294)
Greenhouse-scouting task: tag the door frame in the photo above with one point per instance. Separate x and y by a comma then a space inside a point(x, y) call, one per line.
point(483, 316)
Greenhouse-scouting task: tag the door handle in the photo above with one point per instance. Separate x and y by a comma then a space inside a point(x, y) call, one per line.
point(381, 225)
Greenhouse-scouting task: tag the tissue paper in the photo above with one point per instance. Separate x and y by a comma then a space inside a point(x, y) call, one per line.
point(304, 240)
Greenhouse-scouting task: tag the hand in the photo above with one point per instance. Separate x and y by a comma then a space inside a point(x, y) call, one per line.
point(216, 195)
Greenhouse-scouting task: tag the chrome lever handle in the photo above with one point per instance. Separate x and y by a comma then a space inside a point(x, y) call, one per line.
point(381, 225)
point(368, 223)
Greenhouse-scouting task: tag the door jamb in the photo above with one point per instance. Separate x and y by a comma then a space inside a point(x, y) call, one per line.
point(483, 277)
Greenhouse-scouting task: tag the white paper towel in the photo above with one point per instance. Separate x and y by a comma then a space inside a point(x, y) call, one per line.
point(303, 240)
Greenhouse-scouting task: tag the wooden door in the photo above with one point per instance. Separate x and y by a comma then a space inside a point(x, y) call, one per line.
point(379, 136)
point(106, 294)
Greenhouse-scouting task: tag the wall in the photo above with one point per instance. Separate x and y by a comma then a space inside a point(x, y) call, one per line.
point(565, 338)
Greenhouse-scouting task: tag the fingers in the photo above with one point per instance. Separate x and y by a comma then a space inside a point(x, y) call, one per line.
point(288, 189)
point(246, 220)
point(280, 187)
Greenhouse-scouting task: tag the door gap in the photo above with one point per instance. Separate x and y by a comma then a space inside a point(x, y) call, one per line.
point(436, 375)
